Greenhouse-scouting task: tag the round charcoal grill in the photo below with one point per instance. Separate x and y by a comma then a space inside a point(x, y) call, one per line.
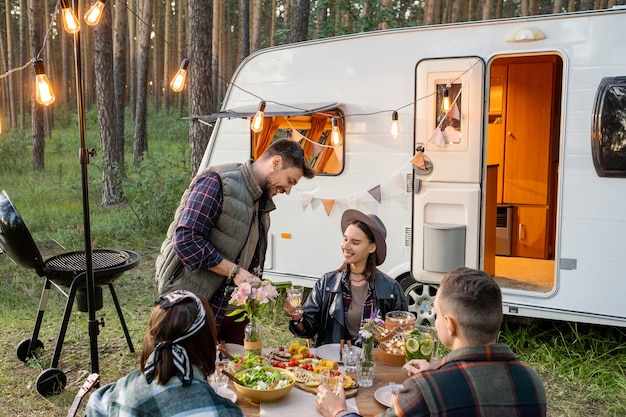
point(107, 265)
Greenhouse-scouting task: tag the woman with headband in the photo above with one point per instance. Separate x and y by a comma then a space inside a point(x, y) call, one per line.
point(178, 354)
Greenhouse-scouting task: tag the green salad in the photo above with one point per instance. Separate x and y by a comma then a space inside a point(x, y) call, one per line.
point(264, 378)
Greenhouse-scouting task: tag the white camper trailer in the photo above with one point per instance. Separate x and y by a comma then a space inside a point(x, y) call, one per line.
point(522, 174)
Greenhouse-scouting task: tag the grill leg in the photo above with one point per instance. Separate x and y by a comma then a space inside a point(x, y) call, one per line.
point(66, 318)
point(121, 316)
point(43, 302)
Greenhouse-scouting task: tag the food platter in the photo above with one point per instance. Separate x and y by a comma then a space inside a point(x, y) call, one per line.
point(331, 352)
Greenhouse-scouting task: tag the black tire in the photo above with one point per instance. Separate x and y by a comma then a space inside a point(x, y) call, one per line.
point(23, 352)
point(51, 382)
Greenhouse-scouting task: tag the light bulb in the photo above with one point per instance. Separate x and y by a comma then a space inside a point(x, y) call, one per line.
point(257, 121)
point(335, 135)
point(445, 103)
point(93, 15)
point(70, 21)
point(178, 82)
point(395, 129)
point(43, 91)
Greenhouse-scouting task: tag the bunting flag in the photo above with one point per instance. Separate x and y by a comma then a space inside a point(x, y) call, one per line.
point(376, 193)
point(328, 205)
point(418, 160)
point(305, 200)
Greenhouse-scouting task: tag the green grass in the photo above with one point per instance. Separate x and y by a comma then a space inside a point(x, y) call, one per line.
point(582, 365)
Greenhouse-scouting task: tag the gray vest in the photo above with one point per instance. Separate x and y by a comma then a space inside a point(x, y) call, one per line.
point(229, 236)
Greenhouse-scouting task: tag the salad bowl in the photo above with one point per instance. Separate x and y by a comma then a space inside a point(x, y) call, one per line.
point(264, 383)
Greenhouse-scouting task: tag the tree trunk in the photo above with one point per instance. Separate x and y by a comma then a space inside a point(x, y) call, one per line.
point(22, 90)
point(255, 25)
point(157, 54)
point(119, 79)
point(216, 52)
point(488, 10)
point(34, 20)
point(200, 96)
point(167, 58)
point(244, 29)
point(10, 50)
point(180, 36)
point(299, 27)
point(112, 192)
point(140, 137)
point(133, 52)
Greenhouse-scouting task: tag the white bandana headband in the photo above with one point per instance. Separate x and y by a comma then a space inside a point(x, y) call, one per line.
point(179, 353)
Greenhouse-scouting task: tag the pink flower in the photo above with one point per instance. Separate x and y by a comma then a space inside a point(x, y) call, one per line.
point(249, 299)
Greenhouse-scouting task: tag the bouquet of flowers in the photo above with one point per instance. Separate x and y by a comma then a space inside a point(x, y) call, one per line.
point(370, 329)
point(249, 298)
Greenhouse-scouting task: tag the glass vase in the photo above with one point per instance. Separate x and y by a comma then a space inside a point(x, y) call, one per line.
point(253, 338)
point(365, 369)
point(366, 358)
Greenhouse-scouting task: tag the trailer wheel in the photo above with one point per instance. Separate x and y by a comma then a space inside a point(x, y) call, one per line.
point(421, 297)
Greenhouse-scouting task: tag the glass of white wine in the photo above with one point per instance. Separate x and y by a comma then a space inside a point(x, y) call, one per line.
point(294, 297)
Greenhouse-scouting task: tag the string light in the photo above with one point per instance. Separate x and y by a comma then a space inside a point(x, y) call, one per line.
point(335, 135)
point(178, 82)
point(70, 21)
point(445, 103)
point(43, 91)
point(257, 121)
point(395, 129)
point(93, 15)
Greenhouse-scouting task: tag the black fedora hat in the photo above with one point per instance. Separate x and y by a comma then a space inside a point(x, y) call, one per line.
point(375, 225)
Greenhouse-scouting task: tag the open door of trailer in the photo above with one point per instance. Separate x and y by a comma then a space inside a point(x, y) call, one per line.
point(489, 174)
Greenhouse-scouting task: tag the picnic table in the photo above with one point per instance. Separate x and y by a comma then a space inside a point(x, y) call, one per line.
point(302, 403)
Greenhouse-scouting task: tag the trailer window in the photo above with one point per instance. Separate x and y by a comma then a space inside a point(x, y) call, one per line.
point(448, 112)
point(313, 132)
point(608, 128)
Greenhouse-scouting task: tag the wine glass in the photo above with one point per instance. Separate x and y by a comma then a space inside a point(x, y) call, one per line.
point(294, 297)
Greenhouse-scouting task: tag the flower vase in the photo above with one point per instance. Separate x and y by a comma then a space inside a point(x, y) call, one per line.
point(366, 359)
point(253, 337)
point(365, 370)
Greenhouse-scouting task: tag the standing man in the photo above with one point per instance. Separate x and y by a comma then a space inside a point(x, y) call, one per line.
point(218, 237)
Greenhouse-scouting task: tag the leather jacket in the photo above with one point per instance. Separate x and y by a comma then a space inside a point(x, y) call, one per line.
point(324, 316)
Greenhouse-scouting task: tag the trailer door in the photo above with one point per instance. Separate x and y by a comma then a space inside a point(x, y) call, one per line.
point(448, 128)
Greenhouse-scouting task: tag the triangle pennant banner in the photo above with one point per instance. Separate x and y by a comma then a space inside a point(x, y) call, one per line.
point(328, 205)
point(306, 200)
point(376, 193)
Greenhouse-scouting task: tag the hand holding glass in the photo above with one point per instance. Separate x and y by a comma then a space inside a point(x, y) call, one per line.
point(294, 298)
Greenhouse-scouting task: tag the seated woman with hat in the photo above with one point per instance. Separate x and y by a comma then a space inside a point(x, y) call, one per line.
point(342, 299)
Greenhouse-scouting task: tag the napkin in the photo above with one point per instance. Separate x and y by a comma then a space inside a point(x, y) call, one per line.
point(297, 403)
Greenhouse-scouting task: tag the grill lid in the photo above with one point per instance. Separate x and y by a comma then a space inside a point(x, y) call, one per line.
point(15, 239)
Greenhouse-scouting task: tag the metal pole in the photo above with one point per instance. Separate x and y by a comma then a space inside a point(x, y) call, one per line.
point(84, 161)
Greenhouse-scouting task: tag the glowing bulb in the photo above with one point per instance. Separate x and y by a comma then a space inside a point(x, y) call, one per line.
point(395, 129)
point(335, 135)
point(257, 121)
point(178, 82)
point(93, 15)
point(445, 104)
point(43, 91)
point(70, 21)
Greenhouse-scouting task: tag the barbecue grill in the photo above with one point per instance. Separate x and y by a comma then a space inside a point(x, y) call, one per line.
point(66, 271)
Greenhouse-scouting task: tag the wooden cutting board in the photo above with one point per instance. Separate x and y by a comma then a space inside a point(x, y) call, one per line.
point(313, 390)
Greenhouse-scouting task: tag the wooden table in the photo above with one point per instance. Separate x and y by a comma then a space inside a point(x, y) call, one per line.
point(365, 401)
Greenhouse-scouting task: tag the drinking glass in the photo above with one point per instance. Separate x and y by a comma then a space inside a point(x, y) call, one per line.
point(421, 343)
point(351, 356)
point(294, 297)
point(331, 380)
point(218, 379)
point(365, 375)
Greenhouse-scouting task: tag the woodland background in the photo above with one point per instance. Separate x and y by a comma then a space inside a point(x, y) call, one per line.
point(128, 59)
